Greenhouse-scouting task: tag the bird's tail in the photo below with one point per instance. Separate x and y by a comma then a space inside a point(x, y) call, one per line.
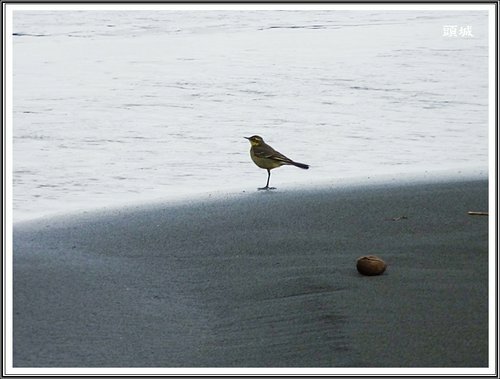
point(301, 165)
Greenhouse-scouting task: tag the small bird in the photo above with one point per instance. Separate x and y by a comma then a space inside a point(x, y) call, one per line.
point(266, 157)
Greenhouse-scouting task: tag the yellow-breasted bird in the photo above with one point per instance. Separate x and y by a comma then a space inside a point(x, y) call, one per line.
point(264, 156)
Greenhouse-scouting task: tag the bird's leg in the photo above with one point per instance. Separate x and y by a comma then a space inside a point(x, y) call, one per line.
point(267, 184)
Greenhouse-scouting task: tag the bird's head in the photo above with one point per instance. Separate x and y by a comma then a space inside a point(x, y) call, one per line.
point(255, 140)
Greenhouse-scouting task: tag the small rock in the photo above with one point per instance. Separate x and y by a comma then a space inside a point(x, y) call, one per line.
point(370, 265)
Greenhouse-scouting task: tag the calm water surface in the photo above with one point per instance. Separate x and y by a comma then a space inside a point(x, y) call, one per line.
point(113, 107)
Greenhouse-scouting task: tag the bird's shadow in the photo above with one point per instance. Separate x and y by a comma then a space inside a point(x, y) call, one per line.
point(267, 191)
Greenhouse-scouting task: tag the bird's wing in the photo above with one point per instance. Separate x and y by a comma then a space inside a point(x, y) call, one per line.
point(269, 153)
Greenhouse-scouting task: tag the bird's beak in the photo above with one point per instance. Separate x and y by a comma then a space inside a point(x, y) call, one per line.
point(247, 137)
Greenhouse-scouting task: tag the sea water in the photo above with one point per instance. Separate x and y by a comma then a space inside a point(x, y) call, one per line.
point(113, 107)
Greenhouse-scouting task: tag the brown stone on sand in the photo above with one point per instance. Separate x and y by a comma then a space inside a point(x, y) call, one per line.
point(370, 265)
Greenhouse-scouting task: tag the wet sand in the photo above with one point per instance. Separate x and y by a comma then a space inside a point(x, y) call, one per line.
point(260, 280)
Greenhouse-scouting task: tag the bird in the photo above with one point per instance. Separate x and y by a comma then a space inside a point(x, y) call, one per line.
point(264, 156)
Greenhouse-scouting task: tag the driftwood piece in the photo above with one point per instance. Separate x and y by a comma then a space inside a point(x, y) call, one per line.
point(473, 213)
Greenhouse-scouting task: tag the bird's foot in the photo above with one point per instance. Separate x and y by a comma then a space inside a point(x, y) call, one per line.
point(266, 188)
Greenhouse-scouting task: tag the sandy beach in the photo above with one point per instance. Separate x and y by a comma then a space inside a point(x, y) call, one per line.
point(260, 280)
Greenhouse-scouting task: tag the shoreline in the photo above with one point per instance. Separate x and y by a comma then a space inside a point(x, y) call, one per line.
point(228, 194)
point(268, 280)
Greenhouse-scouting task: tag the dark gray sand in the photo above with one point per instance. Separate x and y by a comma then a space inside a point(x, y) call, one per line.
point(260, 280)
